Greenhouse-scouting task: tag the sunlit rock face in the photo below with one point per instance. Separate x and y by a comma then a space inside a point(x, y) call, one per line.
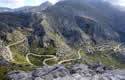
point(75, 72)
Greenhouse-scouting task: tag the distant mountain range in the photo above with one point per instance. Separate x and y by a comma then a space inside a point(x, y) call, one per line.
point(5, 9)
point(39, 8)
point(43, 6)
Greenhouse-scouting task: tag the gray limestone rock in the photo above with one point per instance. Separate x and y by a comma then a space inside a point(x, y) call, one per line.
point(59, 72)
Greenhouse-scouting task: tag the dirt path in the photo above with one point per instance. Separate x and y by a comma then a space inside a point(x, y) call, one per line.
point(44, 62)
point(68, 60)
point(9, 55)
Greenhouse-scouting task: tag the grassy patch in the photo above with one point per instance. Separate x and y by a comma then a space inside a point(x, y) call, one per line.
point(44, 51)
point(5, 69)
point(38, 61)
point(50, 51)
point(51, 62)
point(105, 58)
point(18, 56)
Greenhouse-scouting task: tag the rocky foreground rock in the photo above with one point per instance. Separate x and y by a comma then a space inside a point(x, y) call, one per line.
point(75, 72)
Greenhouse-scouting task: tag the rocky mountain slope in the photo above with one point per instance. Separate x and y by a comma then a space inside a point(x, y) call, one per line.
point(2, 9)
point(69, 32)
point(75, 72)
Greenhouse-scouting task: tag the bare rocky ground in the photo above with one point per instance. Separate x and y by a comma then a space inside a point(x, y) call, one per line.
point(75, 72)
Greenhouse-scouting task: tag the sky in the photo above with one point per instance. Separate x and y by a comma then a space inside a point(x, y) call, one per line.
point(20, 3)
point(117, 2)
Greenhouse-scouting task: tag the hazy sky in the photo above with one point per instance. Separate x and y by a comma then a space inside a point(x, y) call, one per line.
point(20, 3)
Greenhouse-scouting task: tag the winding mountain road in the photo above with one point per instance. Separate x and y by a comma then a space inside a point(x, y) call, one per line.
point(52, 57)
point(44, 62)
point(68, 60)
point(8, 56)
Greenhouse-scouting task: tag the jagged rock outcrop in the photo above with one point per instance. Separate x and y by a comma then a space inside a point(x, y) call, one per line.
point(75, 72)
point(3, 62)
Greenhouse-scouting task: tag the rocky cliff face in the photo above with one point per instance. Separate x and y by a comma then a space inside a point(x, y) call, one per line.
point(75, 28)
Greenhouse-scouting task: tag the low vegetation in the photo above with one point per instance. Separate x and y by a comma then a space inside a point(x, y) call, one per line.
point(5, 69)
point(18, 56)
point(105, 58)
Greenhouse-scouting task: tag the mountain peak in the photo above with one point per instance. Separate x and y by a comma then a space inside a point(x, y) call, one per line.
point(46, 3)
